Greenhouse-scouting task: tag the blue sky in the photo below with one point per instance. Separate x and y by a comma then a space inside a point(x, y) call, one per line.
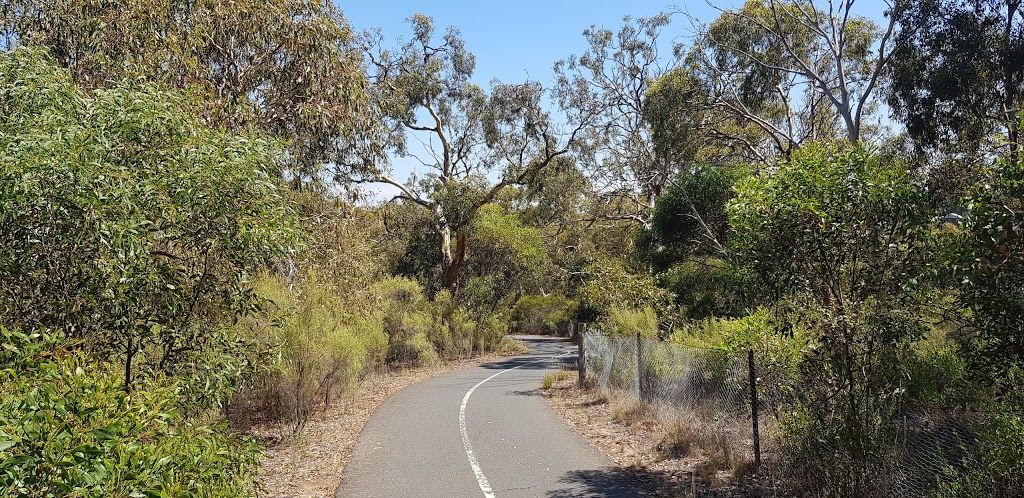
point(516, 41)
point(513, 41)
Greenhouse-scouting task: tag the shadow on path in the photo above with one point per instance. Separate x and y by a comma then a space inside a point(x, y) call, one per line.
point(637, 483)
point(610, 483)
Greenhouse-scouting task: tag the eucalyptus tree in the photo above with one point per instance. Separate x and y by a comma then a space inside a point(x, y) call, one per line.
point(845, 232)
point(958, 72)
point(290, 68)
point(609, 84)
point(126, 221)
point(795, 71)
point(472, 143)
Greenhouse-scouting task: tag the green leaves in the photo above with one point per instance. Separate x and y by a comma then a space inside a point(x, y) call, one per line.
point(68, 432)
point(126, 220)
point(288, 68)
point(838, 205)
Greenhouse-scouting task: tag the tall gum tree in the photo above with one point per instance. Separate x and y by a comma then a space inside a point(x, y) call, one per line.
point(289, 68)
point(797, 71)
point(608, 84)
point(958, 72)
point(472, 143)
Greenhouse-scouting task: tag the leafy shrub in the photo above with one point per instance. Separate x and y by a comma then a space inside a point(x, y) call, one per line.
point(610, 284)
point(509, 346)
point(557, 376)
point(404, 310)
point(996, 467)
point(988, 270)
point(842, 233)
point(324, 347)
point(777, 353)
point(708, 287)
point(690, 218)
point(631, 322)
point(491, 333)
point(537, 314)
point(126, 220)
point(937, 373)
point(510, 255)
point(67, 428)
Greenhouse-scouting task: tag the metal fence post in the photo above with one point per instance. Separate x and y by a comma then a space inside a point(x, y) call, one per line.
point(753, 408)
point(639, 368)
point(581, 361)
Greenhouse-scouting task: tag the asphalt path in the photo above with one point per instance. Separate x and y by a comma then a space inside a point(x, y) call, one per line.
point(481, 432)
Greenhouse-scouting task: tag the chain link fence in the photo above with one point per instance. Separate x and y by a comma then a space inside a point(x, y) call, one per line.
point(706, 390)
point(729, 403)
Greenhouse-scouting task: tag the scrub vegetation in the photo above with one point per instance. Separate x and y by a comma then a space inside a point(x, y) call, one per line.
point(186, 248)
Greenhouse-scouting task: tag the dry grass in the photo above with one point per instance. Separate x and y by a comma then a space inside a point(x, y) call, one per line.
point(509, 346)
point(551, 378)
point(689, 455)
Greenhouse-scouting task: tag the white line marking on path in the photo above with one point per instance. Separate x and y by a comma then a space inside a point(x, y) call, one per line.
point(485, 485)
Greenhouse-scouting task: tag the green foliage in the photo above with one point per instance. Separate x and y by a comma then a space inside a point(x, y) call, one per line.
point(422, 331)
point(986, 261)
point(836, 204)
point(411, 244)
point(956, 70)
point(757, 331)
point(843, 236)
point(690, 218)
point(938, 374)
point(674, 108)
point(408, 321)
point(67, 428)
point(631, 322)
point(504, 254)
point(324, 347)
point(540, 314)
point(289, 68)
point(777, 354)
point(610, 284)
point(708, 287)
point(555, 198)
point(474, 134)
point(509, 346)
point(551, 378)
point(127, 220)
point(996, 466)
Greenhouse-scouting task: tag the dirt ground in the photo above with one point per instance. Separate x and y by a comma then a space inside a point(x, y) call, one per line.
point(672, 458)
point(309, 465)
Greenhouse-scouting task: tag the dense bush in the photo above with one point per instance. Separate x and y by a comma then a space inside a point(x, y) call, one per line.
point(67, 428)
point(125, 220)
point(631, 322)
point(995, 467)
point(540, 314)
point(323, 348)
point(709, 287)
point(841, 234)
point(988, 271)
point(410, 325)
point(690, 218)
point(609, 283)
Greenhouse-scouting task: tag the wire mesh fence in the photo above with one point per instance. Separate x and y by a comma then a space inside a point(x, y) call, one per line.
point(724, 397)
point(708, 390)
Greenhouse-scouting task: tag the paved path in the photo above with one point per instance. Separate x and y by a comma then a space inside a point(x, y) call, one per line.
point(481, 432)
